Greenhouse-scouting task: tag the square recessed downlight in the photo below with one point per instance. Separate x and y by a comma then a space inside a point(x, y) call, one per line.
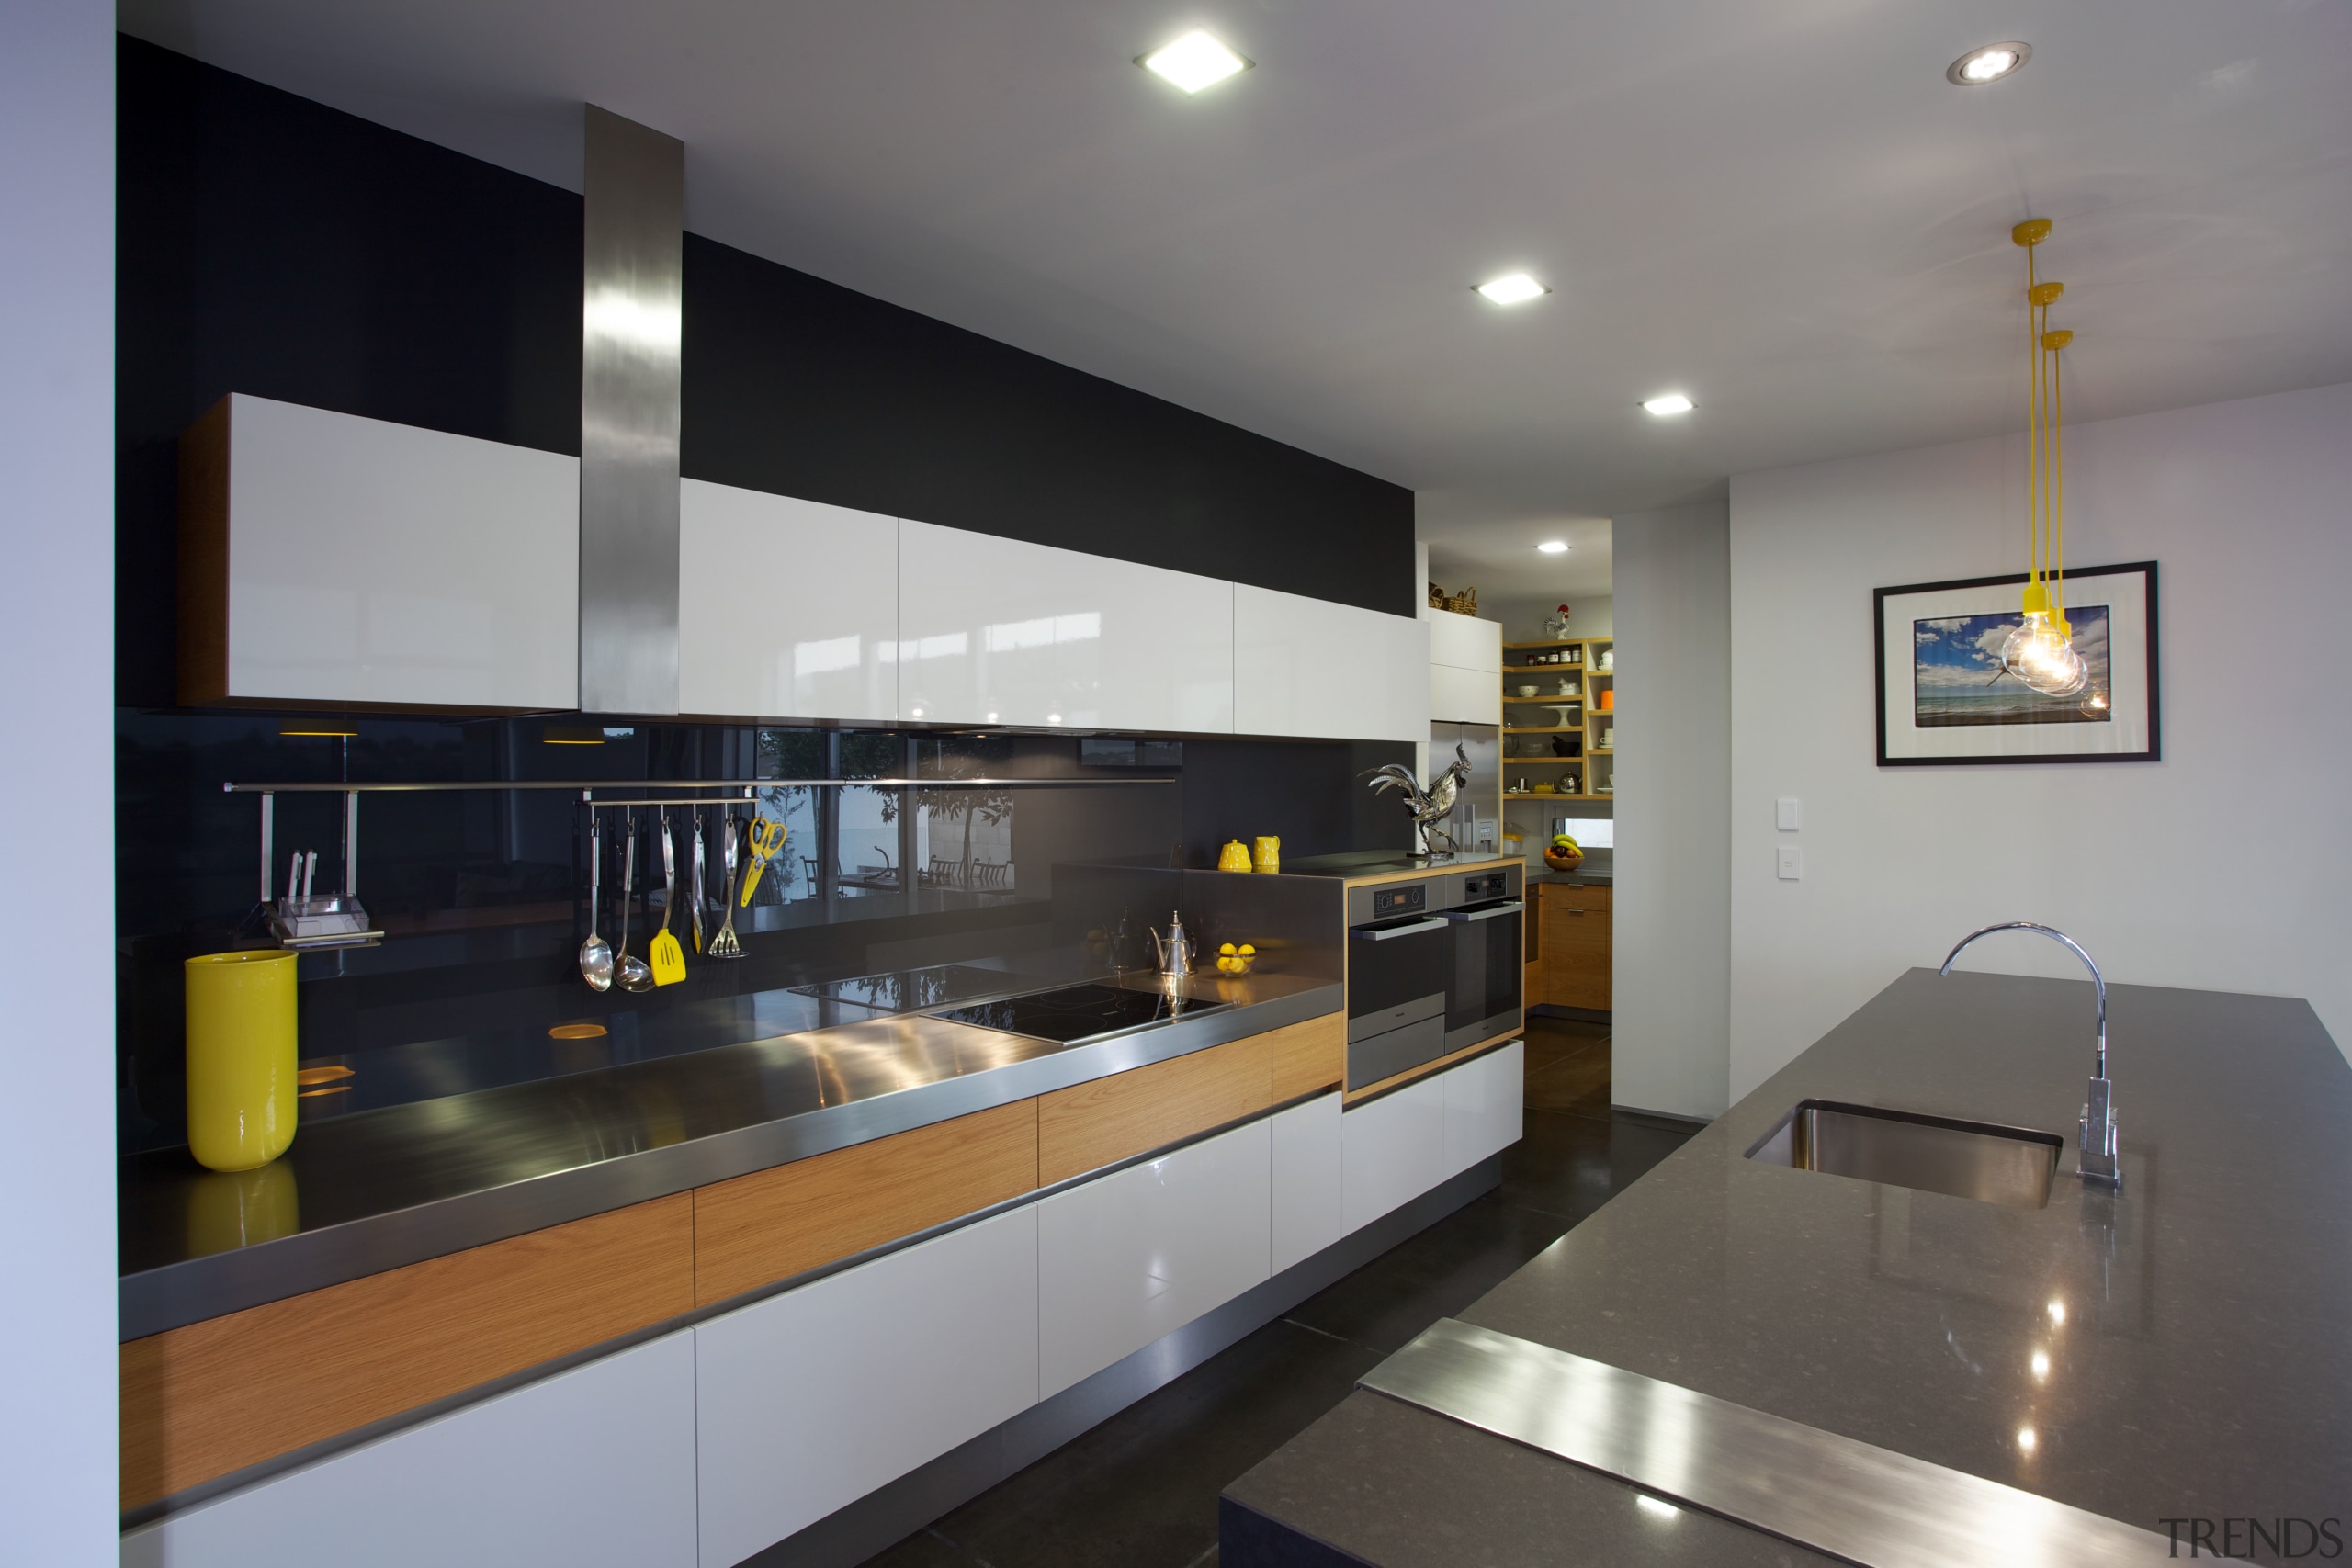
point(1512, 288)
point(1194, 62)
point(1668, 403)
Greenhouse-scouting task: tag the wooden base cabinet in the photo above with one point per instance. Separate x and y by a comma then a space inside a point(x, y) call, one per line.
point(593, 1467)
point(1576, 951)
point(711, 1443)
point(809, 1400)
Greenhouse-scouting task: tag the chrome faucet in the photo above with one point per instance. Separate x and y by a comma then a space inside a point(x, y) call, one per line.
point(2099, 1144)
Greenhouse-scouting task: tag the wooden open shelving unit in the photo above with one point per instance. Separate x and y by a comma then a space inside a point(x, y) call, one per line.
point(1581, 662)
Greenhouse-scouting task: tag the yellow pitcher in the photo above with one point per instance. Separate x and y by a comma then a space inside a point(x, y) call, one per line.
point(1266, 853)
point(240, 1058)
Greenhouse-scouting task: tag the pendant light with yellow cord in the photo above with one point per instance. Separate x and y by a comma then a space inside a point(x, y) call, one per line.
point(2041, 651)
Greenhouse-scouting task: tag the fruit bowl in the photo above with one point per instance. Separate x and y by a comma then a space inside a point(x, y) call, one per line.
point(1564, 860)
point(1233, 966)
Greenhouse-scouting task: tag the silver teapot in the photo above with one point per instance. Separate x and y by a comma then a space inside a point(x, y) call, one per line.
point(1175, 950)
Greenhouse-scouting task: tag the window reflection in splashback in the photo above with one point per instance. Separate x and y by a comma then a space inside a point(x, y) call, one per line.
point(482, 894)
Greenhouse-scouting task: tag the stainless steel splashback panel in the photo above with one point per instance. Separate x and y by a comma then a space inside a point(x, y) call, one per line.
point(631, 302)
point(1837, 1495)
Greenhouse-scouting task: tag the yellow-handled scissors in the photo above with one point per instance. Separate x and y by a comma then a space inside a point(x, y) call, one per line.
point(767, 842)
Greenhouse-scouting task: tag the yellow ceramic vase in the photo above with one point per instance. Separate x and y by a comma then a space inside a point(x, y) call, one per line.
point(1266, 853)
point(240, 1058)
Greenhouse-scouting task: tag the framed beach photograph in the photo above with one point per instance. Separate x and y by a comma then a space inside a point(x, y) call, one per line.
point(1943, 698)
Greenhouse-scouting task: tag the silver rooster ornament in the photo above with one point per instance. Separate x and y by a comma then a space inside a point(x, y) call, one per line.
point(1429, 807)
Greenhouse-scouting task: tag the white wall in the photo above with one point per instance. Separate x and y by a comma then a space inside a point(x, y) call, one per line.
point(1523, 617)
point(2221, 867)
point(57, 1307)
point(1671, 909)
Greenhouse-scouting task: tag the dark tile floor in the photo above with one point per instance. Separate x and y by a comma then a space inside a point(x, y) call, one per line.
point(1141, 1488)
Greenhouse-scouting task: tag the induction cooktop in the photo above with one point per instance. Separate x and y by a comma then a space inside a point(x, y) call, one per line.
point(1069, 1014)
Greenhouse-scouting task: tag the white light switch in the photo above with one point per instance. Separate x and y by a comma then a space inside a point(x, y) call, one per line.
point(1789, 814)
point(1791, 863)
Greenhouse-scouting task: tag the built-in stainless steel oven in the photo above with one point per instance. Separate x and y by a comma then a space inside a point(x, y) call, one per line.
point(1484, 1000)
point(1407, 976)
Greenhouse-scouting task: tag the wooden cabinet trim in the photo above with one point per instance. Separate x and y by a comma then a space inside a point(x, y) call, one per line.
point(773, 1224)
point(1089, 1125)
point(1308, 1056)
point(213, 1397)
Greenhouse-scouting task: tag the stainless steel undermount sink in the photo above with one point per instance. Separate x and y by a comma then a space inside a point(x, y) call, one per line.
point(1904, 1148)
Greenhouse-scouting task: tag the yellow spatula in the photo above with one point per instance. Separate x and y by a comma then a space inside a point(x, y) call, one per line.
point(669, 962)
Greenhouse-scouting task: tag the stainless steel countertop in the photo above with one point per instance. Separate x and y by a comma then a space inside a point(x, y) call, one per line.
point(2194, 1366)
point(362, 1193)
point(1377, 865)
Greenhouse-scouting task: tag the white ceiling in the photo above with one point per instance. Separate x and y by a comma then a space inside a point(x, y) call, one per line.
point(1782, 209)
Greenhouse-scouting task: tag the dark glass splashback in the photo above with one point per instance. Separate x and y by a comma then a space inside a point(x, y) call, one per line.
point(482, 894)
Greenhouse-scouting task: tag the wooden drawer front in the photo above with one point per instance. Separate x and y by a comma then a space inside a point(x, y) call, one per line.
point(773, 1224)
point(1093, 1124)
point(1556, 896)
point(216, 1396)
point(1310, 1055)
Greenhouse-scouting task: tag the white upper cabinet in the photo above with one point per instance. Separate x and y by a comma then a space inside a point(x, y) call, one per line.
point(326, 557)
point(996, 631)
point(787, 608)
point(1465, 668)
point(1308, 666)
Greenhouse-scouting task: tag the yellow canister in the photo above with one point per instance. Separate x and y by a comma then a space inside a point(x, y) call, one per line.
point(240, 1058)
point(1266, 853)
point(1234, 856)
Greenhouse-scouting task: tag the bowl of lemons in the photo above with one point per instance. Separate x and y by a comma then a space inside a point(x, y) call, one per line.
point(1236, 960)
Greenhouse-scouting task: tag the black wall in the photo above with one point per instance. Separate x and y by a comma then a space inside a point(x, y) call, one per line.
point(272, 246)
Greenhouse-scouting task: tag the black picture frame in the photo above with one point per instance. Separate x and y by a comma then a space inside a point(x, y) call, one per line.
point(1885, 600)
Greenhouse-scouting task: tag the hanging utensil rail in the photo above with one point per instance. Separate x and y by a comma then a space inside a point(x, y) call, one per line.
point(746, 789)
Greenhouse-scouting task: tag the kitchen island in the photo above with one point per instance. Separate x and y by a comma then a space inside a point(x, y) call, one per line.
point(2173, 1352)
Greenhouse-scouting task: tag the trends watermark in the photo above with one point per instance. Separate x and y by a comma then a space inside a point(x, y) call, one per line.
point(2284, 1538)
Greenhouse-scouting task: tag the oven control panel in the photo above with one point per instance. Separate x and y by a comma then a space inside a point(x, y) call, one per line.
point(1413, 898)
point(1479, 889)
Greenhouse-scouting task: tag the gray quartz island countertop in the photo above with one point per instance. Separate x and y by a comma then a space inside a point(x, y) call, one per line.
point(2180, 1350)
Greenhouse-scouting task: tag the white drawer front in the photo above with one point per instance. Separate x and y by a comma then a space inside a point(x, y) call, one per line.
point(1395, 1149)
point(593, 1467)
point(1136, 1253)
point(812, 1399)
point(1484, 1097)
point(1310, 1202)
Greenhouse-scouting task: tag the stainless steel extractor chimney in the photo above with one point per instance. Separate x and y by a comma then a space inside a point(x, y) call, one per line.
point(631, 312)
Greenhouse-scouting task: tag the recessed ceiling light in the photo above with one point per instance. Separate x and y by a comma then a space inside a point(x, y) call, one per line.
point(1512, 288)
point(1554, 547)
point(1194, 62)
point(1667, 403)
point(1990, 64)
